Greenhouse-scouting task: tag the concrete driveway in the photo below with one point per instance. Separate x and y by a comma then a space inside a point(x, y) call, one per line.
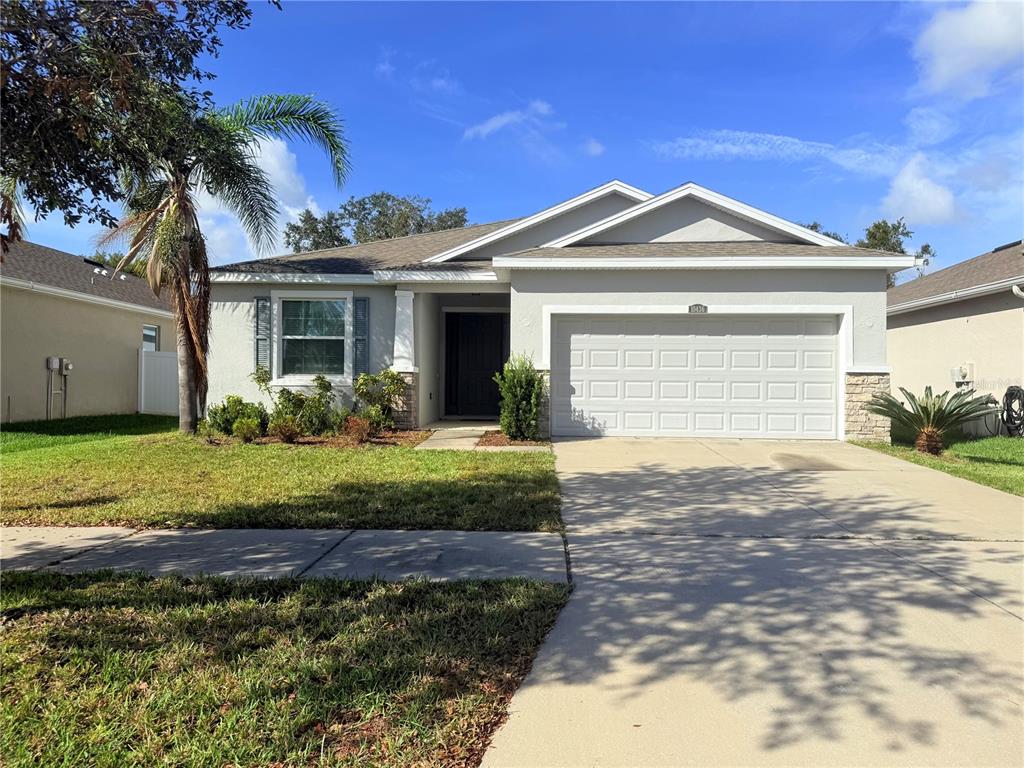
point(745, 603)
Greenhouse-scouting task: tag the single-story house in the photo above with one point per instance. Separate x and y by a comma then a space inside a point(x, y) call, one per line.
point(961, 326)
point(57, 305)
point(681, 314)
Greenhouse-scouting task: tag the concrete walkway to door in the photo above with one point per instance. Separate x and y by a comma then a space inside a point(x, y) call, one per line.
point(745, 603)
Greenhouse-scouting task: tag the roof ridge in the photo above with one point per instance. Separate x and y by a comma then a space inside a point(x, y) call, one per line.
point(385, 240)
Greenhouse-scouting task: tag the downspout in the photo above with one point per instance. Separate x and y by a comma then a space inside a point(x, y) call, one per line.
point(1017, 291)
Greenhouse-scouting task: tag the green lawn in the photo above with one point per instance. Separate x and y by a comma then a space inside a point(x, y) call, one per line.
point(997, 462)
point(123, 670)
point(101, 476)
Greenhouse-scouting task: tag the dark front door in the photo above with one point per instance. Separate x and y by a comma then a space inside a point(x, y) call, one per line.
point(476, 348)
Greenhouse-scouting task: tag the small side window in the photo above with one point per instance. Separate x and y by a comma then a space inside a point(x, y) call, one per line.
point(151, 338)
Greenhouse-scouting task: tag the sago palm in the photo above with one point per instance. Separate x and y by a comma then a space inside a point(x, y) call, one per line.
point(214, 152)
point(931, 416)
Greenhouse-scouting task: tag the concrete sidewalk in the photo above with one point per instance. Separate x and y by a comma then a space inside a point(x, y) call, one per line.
point(270, 553)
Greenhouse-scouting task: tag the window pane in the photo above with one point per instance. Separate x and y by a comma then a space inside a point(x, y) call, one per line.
point(313, 318)
point(312, 356)
point(151, 338)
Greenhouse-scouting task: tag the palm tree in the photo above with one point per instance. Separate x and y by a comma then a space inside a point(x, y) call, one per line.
point(215, 152)
point(931, 416)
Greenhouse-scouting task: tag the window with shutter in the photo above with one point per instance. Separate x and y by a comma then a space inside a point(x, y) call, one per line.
point(262, 331)
point(361, 336)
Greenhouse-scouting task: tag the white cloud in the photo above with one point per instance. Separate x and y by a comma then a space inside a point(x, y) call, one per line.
point(225, 239)
point(530, 114)
point(963, 49)
point(872, 158)
point(916, 197)
point(593, 147)
point(928, 126)
point(384, 68)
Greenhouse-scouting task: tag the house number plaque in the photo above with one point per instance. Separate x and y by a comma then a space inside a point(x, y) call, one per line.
point(698, 309)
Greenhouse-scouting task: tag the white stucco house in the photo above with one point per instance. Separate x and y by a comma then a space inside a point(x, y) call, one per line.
point(681, 314)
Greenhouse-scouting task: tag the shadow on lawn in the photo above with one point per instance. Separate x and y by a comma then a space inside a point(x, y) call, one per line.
point(311, 667)
point(763, 592)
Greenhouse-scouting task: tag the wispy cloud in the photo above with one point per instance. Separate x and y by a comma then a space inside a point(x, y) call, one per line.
point(593, 148)
point(429, 78)
point(915, 195)
point(531, 114)
point(385, 68)
point(873, 158)
point(963, 50)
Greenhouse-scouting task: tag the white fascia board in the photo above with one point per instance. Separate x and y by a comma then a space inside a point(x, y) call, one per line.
point(953, 296)
point(289, 277)
point(435, 276)
point(611, 187)
point(65, 293)
point(895, 262)
point(708, 196)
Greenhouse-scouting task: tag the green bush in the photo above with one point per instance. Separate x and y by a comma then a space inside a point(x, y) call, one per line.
point(222, 417)
point(374, 416)
point(379, 394)
point(520, 387)
point(312, 414)
point(284, 428)
point(247, 429)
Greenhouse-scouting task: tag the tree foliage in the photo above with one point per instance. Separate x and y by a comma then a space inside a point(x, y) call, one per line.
point(885, 235)
point(212, 151)
point(113, 258)
point(815, 226)
point(380, 216)
point(84, 87)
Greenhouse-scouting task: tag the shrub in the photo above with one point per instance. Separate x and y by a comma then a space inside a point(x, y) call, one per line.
point(222, 417)
point(520, 387)
point(205, 432)
point(382, 391)
point(358, 428)
point(284, 428)
point(374, 416)
point(247, 429)
point(317, 412)
point(931, 417)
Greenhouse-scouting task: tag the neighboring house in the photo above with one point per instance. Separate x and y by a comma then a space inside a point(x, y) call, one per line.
point(682, 314)
point(55, 304)
point(961, 326)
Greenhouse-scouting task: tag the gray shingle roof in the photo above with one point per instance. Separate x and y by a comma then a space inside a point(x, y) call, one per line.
point(364, 258)
point(691, 249)
point(1004, 263)
point(48, 266)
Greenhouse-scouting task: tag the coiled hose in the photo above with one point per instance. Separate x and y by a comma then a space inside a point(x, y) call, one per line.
point(1013, 411)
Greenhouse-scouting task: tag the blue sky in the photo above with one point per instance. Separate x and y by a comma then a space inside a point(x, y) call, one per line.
point(837, 112)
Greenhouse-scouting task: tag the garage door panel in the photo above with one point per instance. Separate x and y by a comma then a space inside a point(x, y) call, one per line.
point(685, 375)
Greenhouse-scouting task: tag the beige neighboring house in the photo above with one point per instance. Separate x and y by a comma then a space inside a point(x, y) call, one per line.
point(683, 314)
point(963, 325)
point(56, 304)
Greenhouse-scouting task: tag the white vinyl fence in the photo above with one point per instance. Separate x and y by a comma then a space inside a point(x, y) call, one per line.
point(158, 382)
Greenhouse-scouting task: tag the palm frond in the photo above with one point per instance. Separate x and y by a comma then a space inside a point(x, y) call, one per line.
point(230, 173)
point(293, 116)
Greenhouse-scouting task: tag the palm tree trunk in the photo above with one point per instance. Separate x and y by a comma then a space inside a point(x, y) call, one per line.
point(188, 402)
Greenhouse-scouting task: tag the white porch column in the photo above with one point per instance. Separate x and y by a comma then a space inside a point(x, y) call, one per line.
point(405, 350)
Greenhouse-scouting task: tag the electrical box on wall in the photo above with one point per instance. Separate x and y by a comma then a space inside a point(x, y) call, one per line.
point(962, 375)
point(65, 366)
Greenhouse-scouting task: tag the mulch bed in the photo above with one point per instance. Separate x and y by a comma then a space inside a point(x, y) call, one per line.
point(499, 439)
point(406, 438)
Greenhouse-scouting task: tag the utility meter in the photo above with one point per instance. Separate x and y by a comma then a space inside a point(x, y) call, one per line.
point(65, 366)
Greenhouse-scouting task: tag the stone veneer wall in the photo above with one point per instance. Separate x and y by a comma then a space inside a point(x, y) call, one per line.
point(861, 425)
point(407, 414)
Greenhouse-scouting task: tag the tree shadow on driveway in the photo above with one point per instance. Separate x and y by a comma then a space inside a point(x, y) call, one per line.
point(763, 604)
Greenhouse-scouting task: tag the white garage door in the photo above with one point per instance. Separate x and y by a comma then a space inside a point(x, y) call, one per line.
point(685, 375)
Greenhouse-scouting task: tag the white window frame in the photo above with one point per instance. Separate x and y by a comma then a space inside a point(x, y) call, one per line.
point(143, 345)
point(277, 328)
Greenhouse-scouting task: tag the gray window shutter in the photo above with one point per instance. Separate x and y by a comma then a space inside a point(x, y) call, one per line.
point(262, 338)
point(361, 336)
